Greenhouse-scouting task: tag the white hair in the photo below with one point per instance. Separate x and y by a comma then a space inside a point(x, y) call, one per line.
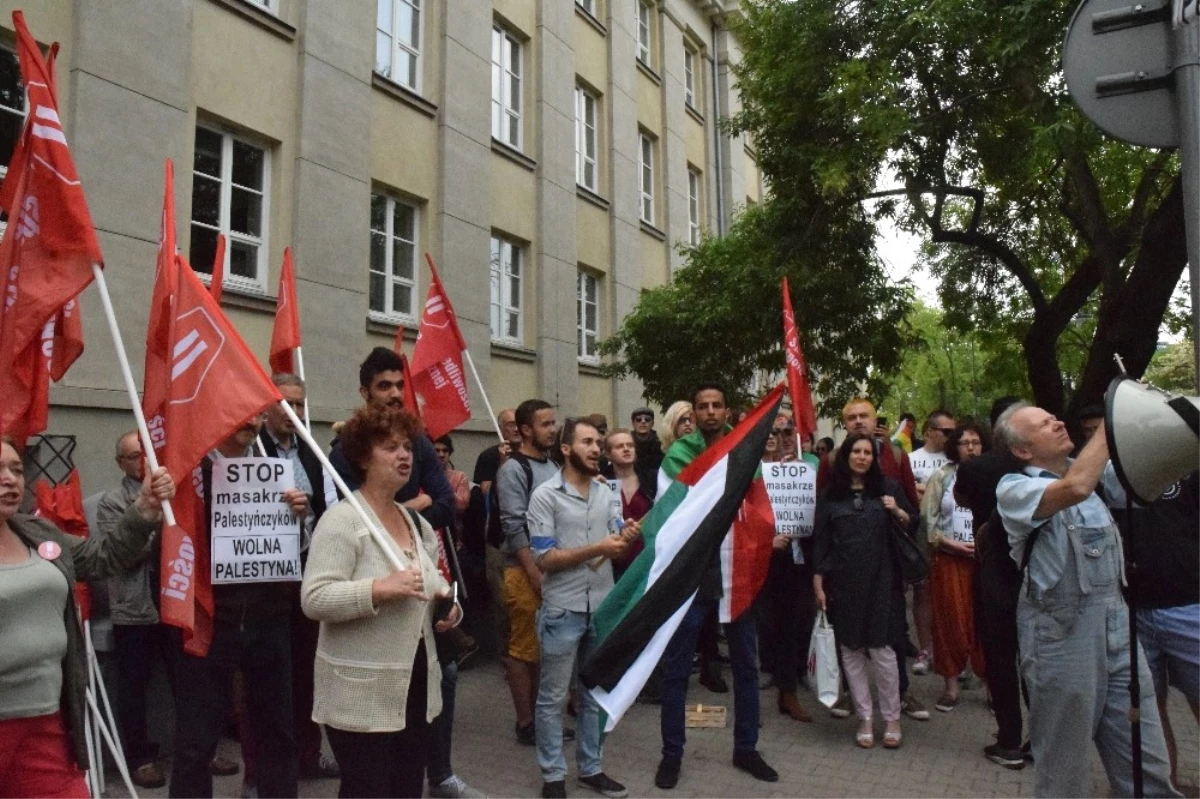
point(1004, 436)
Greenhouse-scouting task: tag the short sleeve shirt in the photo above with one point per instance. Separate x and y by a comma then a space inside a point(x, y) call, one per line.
point(560, 517)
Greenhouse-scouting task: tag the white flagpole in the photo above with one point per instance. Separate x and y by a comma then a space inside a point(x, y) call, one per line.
point(300, 374)
point(380, 538)
point(112, 747)
point(109, 731)
point(130, 386)
point(483, 391)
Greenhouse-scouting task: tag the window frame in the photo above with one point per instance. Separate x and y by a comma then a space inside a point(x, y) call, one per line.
point(389, 258)
point(22, 115)
point(588, 6)
point(582, 96)
point(584, 279)
point(508, 42)
point(413, 50)
point(646, 165)
point(689, 77)
point(695, 206)
point(500, 292)
point(645, 49)
point(257, 285)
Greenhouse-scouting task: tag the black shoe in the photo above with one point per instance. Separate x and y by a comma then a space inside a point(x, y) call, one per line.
point(526, 736)
point(753, 764)
point(602, 784)
point(1027, 751)
point(711, 679)
point(667, 776)
point(568, 734)
point(1009, 758)
point(554, 790)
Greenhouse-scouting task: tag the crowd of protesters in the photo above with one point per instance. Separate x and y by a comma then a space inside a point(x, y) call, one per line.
point(1019, 582)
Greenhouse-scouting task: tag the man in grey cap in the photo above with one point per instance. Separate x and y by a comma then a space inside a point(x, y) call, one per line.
point(648, 447)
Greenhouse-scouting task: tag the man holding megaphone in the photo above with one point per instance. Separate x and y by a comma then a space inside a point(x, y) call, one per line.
point(1072, 620)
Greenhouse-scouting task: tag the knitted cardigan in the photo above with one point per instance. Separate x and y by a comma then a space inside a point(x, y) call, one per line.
point(365, 654)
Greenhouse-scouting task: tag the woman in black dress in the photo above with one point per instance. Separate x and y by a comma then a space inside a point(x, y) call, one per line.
point(857, 579)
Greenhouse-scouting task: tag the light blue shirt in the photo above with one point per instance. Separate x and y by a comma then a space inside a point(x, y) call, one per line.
point(1017, 499)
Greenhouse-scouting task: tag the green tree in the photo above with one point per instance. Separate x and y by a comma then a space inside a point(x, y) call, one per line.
point(1173, 369)
point(1039, 228)
point(961, 372)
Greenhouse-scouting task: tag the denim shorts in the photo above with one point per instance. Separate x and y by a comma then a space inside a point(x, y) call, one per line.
point(1170, 637)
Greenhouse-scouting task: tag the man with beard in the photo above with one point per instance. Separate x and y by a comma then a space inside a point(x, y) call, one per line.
point(570, 517)
point(251, 632)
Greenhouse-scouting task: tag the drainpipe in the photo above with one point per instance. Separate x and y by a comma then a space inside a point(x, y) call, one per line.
point(716, 116)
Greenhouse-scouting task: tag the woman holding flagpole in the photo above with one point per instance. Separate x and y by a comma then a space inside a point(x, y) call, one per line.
point(43, 658)
point(376, 652)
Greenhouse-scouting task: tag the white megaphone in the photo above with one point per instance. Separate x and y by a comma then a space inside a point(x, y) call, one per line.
point(1153, 436)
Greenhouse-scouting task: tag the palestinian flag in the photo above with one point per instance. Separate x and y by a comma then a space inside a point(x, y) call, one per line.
point(686, 527)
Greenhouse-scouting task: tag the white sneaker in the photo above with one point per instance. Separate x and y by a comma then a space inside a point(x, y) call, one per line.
point(920, 666)
point(454, 788)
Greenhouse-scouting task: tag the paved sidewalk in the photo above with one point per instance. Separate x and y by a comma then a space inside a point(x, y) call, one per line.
point(940, 757)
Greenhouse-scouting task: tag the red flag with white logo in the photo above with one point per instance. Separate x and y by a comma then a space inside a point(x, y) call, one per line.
point(286, 336)
point(436, 367)
point(797, 371)
point(53, 241)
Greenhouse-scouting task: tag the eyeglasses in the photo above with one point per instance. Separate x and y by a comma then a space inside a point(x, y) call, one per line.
point(643, 418)
point(130, 456)
point(944, 430)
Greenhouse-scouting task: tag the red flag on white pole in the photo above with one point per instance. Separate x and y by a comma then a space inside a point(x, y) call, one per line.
point(285, 338)
point(797, 371)
point(436, 367)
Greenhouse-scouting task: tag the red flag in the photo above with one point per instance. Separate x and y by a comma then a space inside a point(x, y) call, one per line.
point(218, 272)
point(797, 371)
point(398, 346)
point(53, 240)
point(157, 375)
point(286, 336)
point(437, 375)
point(410, 390)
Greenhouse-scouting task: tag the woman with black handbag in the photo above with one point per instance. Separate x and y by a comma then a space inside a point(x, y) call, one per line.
point(858, 549)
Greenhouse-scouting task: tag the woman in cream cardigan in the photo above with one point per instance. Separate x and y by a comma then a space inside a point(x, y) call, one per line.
point(375, 653)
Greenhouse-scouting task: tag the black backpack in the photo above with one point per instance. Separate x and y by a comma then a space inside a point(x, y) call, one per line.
point(495, 533)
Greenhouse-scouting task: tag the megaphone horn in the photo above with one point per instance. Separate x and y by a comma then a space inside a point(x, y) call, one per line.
point(1153, 436)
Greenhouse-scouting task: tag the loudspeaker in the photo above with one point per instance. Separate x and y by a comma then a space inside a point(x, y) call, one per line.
point(1153, 436)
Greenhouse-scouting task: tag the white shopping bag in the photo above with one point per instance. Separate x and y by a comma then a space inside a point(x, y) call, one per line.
point(823, 673)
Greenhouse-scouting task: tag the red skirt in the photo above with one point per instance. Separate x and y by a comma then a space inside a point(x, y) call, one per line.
point(952, 589)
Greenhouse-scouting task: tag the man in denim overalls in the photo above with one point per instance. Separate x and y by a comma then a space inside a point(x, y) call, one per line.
point(1073, 624)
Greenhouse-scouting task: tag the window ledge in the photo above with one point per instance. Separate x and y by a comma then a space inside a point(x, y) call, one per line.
point(590, 19)
point(648, 71)
point(260, 17)
point(748, 150)
point(513, 154)
point(693, 112)
point(404, 95)
point(591, 196)
point(513, 352)
point(378, 323)
point(591, 368)
point(652, 230)
point(238, 297)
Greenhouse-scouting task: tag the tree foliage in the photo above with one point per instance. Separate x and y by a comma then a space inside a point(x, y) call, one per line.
point(1173, 368)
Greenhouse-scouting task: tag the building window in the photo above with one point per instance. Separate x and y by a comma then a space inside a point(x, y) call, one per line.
point(506, 88)
point(588, 315)
point(693, 207)
point(393, 278)
point(398, 41)
point(587, 5)
point(12, 107)
point(229, 195)
point(689, 77)
point(585, 138)
point(643, 31)
point(506, 291)
point(269, 5)
point(646, 177)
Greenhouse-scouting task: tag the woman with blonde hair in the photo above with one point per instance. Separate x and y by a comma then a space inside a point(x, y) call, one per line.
point(676, 423)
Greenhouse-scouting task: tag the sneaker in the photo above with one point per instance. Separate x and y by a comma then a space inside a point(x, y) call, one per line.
point(454, 788)
point(946, 703)
point(753, 764)
point(667, 776)
point(842, 707)
point(605, 785)
point(913, 709)
point(526, 735)
point(223, 767)
point(920, 666)
point(554, 790)
point(1009, 758)
point(325, 768)
point(148, 776)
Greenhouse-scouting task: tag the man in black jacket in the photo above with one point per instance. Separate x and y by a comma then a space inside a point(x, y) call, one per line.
point(648, 447)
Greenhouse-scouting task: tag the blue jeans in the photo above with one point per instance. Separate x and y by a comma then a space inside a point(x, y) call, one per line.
point(1170, 638)
point(442, 728)
point(677, 663)
point(567, 638)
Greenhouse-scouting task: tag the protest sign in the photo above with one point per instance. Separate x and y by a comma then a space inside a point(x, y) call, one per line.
point(961, 529)
point(615, 487)
point(792, 488)
point(255, 535)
